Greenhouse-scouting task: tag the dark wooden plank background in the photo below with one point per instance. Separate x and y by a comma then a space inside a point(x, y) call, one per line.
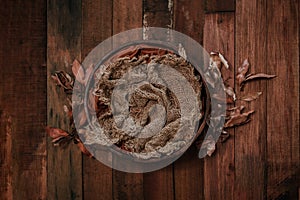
point(259, 161)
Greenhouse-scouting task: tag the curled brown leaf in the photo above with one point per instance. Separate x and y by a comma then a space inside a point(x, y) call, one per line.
point(258, 76)
point(63, 80)
point(236, 118)
point(251, 96)
point(242, 71)
point(229, 91)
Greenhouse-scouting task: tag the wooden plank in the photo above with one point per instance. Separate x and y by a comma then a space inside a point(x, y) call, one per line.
point(283, 100)
point(158, 13)
point(188, 170)
point(127, 15)
point(96, 27)
point(250, 139)
point(23, 99)
point(189, 18)
point(219, 169)
point(64, 45)
point(158, 184)
point(5, 155)
point(212, 6)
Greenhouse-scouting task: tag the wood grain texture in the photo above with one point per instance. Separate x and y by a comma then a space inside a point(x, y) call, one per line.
point(23, 99)
point(189, 18)
point(188, 170)
point(219, 169)
point(283, 99)
point(250, 139)
point(64, 45)
point(212, 6)
point(96, 27)
point(126, 16)
point(159, 184)
point(259, 161)
point(5, 156)
point(158, 13)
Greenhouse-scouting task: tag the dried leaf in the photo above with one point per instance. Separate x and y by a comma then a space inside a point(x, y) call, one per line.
point(229, 91)
point(238, 119)
point(235, 110)
point(62, 141)
point(214, 60)
point(78, 71)
point(259, 76)
point(63, 79)
point(56, 132)
point(223, 60)
point(242, 71)
point(82, 148)
point(68, 111)
point(251, 96)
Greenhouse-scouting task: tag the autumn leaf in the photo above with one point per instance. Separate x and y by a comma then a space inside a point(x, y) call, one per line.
point(234, 111)
point(229, 91)
point(251, 96)
point(56, 132)
point(78, 71)
point(258, 76)
point(218, 59)
point(63, 80)
point(242, 71)
point(236, 118)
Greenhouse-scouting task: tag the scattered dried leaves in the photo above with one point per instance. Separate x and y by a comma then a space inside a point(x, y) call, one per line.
point(242, 76)
point(234, 117)
point(63, 79)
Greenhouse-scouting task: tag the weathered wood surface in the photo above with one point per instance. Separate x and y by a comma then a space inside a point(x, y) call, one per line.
point(212, 6)
point(259, 161)
point(219, 170)
point(23, 97)
point(250, 139)
point(96, 27)
point(283, 100)
point(64, 45)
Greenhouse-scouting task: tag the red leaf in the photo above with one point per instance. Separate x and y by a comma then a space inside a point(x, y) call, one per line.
point(56, 132)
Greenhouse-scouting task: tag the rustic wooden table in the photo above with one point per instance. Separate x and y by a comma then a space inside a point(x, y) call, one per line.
point(259, 161)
